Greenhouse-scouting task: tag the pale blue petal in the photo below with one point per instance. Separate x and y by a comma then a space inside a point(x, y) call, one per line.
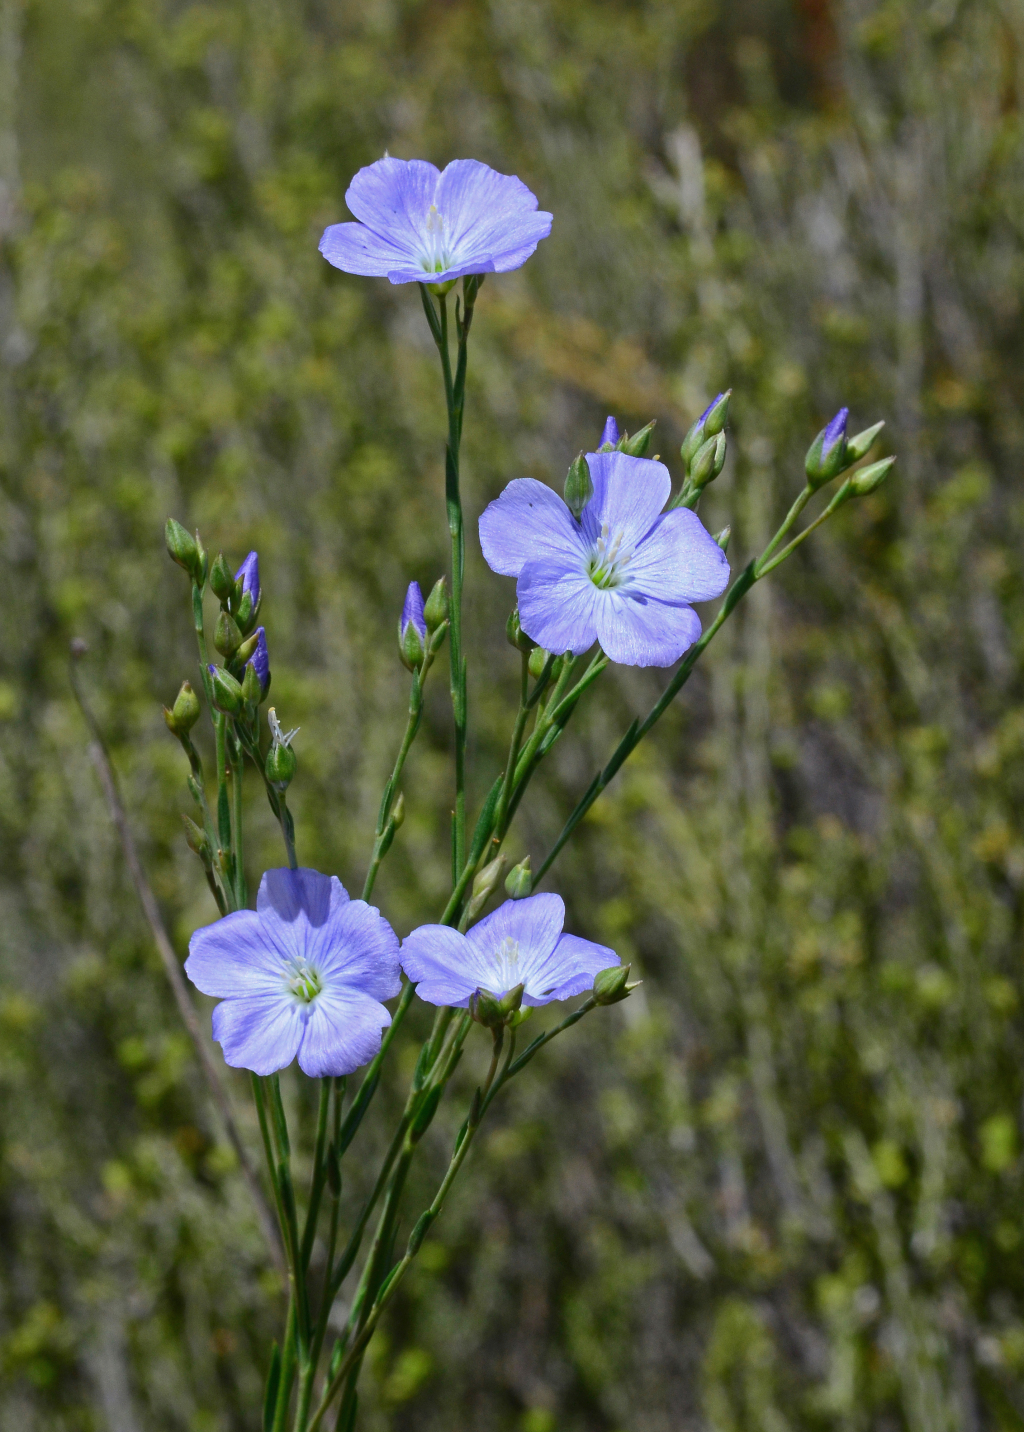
point(678, 561)
point(534, 923)
point(572, 965)
point(642, 632)
point(610, 432)
point(292, 904)
point(233, 957)
point(342, 1031)
point(558, 605)
point(528, 521)
point(354, 248)
point(488, 215)
point(261, 1032)
point(629, 493)
point(392, 198)
point(412, 610)
point(443, 965)
point(357, 948)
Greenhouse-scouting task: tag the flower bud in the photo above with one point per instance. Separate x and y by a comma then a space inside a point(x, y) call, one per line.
point(260, 660)
point(609, 435)
point(398, 812)
point(827, 457)
point(412, 628)
point(485, 884)
point(227, 692)
point(221, 580)
point(196, 838)
point(579, 486)
point(722, 538)
point(252, 691)
point(709, 461)
point(860, 445)
point(280, 767)
point(485, 1009)
point(610, 985)
point(437, 638)
point(871, 477)
point(435, 608)
point(519, 881)
point(538, 661)
point(717, 415)
point(185, 712)
point(226, 637)
point(248, 575)
point(245, 613)
point(181, 547)
point(515, 635)
point(698, 433)
point(638, 444)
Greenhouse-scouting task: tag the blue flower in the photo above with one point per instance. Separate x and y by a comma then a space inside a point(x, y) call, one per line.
point(249, 576)
point(302, 974)
point(609, 433)
point(419, 225)
point(521, 943)
point(260, 658)
point(622, 575)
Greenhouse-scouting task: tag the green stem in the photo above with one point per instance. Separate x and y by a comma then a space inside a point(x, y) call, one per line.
point(384, 833)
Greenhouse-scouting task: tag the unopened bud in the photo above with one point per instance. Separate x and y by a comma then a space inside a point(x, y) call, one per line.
point(437, 638)
point(435, 608)
point(226, 637)
point(515, 635)
point(538, 661)
point(865, 481)
point(860, 445)
point(639, 443)
point(196, 838)
point(185, 712)
point(722, 538)
point(412, 628)
point(717, 415)
point(519, 881)
point(610, 986)
point(827, 456)
point(221, 579)
point(609, 435)
point(181, 547)
point(410, 647)
point(709, 461)
point(485, 884)
point(252, 689)
point(227, 692)
point(398, 812)
point(579, 486)
point(486, 1009)
point(246, 613)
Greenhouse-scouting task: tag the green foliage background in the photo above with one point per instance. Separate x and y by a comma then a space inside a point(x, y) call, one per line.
point(781, 1187)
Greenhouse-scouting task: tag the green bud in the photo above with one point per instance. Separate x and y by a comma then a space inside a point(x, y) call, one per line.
point(437, 638)
point(709, 461)
point(246, 613)
point(435, 608)
point(181, 547)
point(579, 486)
point(610, 985)
point(519, 881)
point(227, 692)
point(639, 443)
point(226, 637)
point(515, 635)
point(722, 538)
point(280, 767)
point(410, 646)
point(398, 812)
point(485, 1009)
point(510, 1002)
point(246, 650)
point(221, 579)
point(196, 838)
point(485, 884)
point(185, 712)
point(860, 445)
point(717, 415)
point(538, 661)
point(251, 688)
point(692, 442)
point(865, 481)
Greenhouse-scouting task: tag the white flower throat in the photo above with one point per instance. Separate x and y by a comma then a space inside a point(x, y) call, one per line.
point(505, 966)
point(606, 566)
point(436, 256)
point(303, 982)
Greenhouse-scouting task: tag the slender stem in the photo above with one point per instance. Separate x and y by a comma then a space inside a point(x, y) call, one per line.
point(319, 1173)
point(384, 833)
point(237, 771)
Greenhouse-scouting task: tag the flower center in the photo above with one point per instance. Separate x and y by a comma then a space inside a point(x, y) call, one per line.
point(505, 966)
point(304, 982)
point(435, 257)
point(607, 563)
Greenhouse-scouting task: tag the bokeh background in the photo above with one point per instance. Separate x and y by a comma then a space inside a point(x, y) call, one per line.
point(782, 1186)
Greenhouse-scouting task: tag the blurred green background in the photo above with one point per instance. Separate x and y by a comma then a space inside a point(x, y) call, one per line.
point(782, 1186)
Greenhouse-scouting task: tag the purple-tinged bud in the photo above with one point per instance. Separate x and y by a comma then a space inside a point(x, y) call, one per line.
point(249, 576)
point(695, 435)
point(609, 435)
point(412, 628)
point(827, 456)
point(260, 659)
point(639, 443)
point(227, 692)
point(716, 414)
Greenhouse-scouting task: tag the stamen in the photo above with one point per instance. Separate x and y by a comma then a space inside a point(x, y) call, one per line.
point(505, 968)
point(436, 257)
point(305, 982)
point(607, 565)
